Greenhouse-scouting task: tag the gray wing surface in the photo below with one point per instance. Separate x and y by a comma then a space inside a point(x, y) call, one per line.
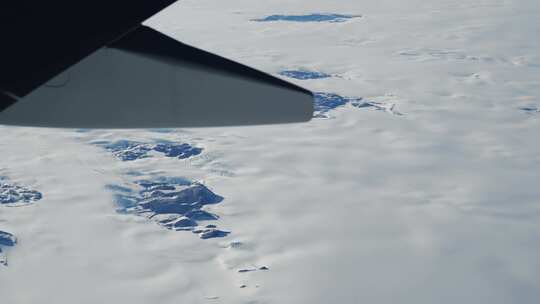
point(149, 80)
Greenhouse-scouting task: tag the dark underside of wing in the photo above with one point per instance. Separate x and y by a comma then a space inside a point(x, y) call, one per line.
point(40, 39)
point(6, 101)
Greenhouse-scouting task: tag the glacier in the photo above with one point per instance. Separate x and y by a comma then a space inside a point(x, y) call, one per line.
point(11, 194)
point(174, 203)
point(127, 150)
point(418, 181)
point(6, 240)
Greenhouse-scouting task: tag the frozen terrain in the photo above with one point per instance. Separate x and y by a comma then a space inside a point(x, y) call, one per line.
point(129, 150)
point(6, 240)
point(416, 181)
point(174, 203)
point(14, 195)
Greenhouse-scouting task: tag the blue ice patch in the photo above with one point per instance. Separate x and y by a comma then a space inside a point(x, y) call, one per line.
point(326, 102)
point(181, 151)
point(127, 150)
point(308, 18)
point(11, 194)
point(303, 74)
point(212, 233)
point(6, 240)
point(174, 203)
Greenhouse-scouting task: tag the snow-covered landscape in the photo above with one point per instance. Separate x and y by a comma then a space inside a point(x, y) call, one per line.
point(415, 182)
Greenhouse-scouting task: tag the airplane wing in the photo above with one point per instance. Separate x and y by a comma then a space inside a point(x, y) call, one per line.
point(91, 64)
